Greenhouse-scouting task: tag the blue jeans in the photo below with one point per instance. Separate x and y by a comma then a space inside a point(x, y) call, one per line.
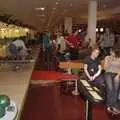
point(112, 90)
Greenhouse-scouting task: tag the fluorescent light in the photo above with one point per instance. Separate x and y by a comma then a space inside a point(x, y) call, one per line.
point(41, 8)
point(41, 15)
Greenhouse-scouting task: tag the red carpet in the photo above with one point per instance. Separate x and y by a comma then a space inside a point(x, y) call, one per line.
point(45, 75)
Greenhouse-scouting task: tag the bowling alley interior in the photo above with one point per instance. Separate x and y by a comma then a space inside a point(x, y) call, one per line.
point(59, 60)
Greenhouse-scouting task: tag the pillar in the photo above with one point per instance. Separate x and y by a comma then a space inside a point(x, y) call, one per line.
point(92, 21)
point(68, 24)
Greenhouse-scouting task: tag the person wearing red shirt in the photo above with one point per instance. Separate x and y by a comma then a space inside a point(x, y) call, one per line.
point(73, 43)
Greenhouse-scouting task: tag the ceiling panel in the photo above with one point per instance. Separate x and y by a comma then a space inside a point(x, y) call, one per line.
point(25, 10)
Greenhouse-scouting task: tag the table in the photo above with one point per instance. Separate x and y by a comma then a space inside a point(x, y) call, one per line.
point(77, 64)
point(69, 65)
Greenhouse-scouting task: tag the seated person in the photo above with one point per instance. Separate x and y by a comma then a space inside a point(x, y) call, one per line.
point(93, 69)
point(112, 80)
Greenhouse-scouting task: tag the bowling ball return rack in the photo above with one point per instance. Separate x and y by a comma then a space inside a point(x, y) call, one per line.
point(10, 111)
point(16, 64)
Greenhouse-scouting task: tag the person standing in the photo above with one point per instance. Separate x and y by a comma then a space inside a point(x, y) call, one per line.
point(112, 80)
point(61, 46)
point(73, 43)
point(107, 41)
point(46, 48)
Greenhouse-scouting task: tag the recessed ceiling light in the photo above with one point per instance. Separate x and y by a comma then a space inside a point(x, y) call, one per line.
point(56, 3)
point(101, 29)
point(54, 8)
point(96, 29)
point(79, 30)
point(71, 4)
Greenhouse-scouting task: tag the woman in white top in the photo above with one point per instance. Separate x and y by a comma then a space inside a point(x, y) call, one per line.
point(112, 80)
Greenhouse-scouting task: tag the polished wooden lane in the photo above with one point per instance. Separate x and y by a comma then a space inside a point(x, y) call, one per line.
point(48, 103)
point(15, 83)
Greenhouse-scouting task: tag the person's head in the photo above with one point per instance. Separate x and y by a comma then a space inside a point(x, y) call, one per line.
point(115, 52)
point(107, 30)
point(95, 52)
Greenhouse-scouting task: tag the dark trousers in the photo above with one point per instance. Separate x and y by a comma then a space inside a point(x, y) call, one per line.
point(98, 82)
point(105, 51)
point(48, 55)
point(74, 53)
point(112, 90)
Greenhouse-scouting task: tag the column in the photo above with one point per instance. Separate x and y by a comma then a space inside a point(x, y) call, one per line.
point(68, 24)
point(92, 20)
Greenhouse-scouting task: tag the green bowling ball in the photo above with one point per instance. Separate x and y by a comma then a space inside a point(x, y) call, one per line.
point(2, 111)
point(4, 100)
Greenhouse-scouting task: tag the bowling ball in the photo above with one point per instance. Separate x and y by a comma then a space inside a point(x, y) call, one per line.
point(2, 111)
point(4, 100)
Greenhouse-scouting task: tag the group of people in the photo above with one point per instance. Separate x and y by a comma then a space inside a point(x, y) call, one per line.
point(61, 46)
point(105, 74)
point(110, 78)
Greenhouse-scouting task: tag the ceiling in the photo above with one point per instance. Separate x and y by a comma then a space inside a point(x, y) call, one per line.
point(54, 13)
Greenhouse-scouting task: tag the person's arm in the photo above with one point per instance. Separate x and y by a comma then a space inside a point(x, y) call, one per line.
point(106, 62)
point(98, 72)
point(86, 71)
point(70, 44)
point(23, 45)
point(117, 77)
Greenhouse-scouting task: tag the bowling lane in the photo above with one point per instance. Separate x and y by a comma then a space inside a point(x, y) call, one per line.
point(15, 84)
